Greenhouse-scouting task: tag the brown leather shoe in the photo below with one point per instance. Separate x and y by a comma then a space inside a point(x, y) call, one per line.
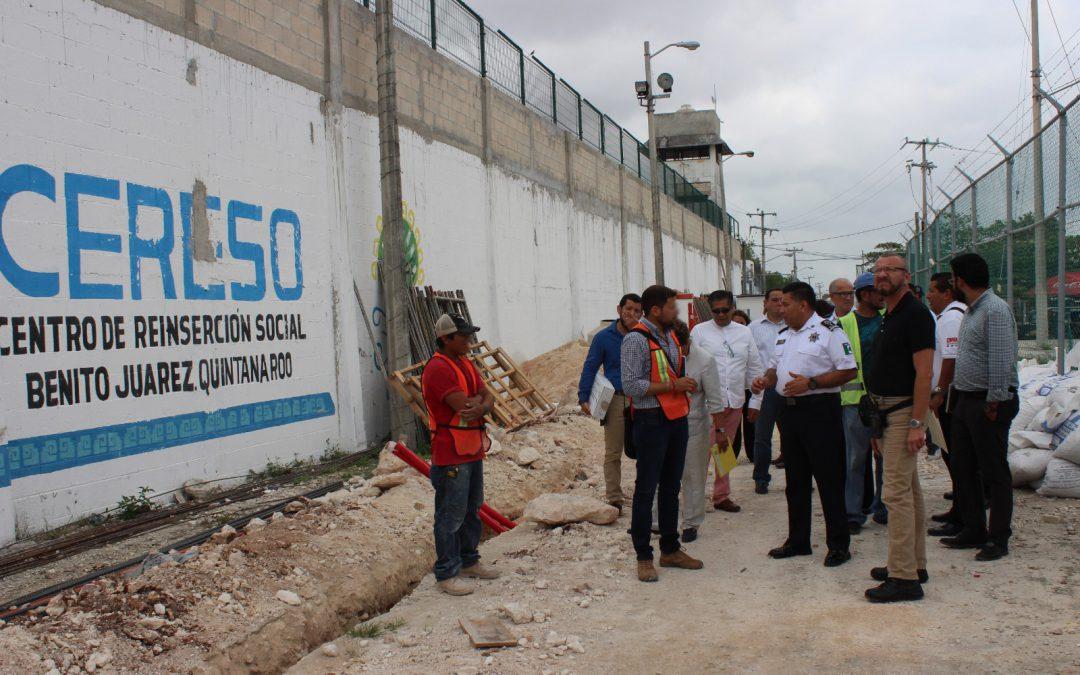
point(681, 560)
point(646, 571)
point(727, 505)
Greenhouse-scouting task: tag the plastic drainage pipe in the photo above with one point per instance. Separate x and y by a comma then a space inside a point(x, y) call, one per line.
point(490, 517)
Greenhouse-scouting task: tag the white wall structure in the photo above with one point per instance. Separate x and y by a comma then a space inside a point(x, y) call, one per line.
point(180, 233)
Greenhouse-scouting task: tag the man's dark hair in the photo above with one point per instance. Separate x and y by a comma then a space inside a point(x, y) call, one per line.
point(863, 291)
point(802, 292)
point(774, 289)
point(972, 268)
point(655, 296)
point(741, 313)
point(824, 308)
point(720, 296)
point(942, 281)
point(682, 331)
point(629, 297)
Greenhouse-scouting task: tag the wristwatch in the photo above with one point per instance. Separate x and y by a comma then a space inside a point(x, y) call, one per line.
point(813, 384)
point(916, 424)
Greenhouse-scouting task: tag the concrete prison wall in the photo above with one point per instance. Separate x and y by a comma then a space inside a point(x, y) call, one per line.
point(189, 190)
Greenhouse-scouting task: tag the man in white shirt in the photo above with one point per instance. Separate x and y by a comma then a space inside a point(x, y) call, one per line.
point(707, 405)
point(738, 363)
point(948, 313)
point(765, 331)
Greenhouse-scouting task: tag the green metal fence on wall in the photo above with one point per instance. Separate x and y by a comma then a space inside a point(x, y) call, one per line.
point(1029, 237)
point(452, 28)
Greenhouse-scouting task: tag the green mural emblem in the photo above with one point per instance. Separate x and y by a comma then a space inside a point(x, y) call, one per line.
point(414, 254)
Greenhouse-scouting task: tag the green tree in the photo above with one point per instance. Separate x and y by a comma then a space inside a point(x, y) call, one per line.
point(869, 257)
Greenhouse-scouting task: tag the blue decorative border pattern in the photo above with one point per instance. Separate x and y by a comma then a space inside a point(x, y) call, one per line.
point(45, 454)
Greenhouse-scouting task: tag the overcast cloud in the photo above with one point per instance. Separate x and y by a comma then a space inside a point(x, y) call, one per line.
point(822, 91)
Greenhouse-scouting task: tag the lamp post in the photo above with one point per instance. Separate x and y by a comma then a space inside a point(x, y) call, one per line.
point(726, 276)
point(647, 98)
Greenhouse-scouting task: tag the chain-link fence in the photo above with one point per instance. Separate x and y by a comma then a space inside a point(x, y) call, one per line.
point(1023, 217)
point(454, 29)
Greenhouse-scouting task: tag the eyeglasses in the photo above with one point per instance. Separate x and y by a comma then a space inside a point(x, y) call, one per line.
point(721, 310)
point(888, 269)
point(844, 294)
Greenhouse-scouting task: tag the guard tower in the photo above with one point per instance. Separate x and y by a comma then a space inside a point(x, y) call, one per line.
point(689, 141)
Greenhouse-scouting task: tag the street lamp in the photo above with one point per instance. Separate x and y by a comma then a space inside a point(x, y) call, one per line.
point(723, 208)
point(647, 98)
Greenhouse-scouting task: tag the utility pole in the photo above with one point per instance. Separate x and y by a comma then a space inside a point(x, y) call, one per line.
point(395, 289)
point(925, 168)
point(1042, 310)
point(794, 252)
point(761, 214)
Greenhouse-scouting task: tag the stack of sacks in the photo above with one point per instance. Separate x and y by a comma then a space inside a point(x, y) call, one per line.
point(1044, 439)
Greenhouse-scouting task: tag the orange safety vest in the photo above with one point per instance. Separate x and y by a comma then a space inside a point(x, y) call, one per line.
point(675, 404)
point(469, 438)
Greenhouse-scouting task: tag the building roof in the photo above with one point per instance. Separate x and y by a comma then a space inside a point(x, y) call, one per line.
point(689, 128)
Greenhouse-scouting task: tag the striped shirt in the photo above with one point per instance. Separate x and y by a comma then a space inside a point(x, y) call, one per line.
point(637, 364)
point(987, 351)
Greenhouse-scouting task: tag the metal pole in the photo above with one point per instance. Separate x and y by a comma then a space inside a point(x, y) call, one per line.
point(721, 244)
point(654, 171)
point(1042, 332)
point(395, 288)
point(1061, 240)
point(1008, 220)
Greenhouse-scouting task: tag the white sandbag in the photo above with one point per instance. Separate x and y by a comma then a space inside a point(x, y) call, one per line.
point(1067, 447)
point(1029, 371)
point(1066, 396)
point(1066, 429)
point(1029, 407)
point(1062, 479)
point(1072, 357)
point(1030, 439)
point(1028, 465)
point(1038, 423)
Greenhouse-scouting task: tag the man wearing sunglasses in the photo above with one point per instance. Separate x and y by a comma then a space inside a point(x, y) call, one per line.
point(738, 362)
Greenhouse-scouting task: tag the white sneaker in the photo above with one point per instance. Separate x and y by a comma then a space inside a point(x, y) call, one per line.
point(455, 586)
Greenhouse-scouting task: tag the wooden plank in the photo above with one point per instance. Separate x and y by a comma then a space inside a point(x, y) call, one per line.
point(487, 631)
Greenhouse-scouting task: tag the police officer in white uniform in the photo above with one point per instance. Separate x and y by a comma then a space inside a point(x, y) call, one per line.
point(812, 359)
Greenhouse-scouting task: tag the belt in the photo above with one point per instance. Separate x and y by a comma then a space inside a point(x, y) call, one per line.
point(810, 399)
point(980, 395)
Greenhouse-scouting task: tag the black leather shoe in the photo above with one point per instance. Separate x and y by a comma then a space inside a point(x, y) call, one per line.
point(947, 517)
point(895, 590)
point(882, 574)
point(762, 488)
point(854, 528)
point(963, 541)
point(881, 518)
point(992, 551)
point(689, 535)
point(788, 551)
point(837, 558)
point(946, 530)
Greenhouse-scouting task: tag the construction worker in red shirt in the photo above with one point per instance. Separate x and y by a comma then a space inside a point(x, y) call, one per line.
point(457, 402)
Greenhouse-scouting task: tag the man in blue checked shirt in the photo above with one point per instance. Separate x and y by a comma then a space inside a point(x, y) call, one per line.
point(604, 350)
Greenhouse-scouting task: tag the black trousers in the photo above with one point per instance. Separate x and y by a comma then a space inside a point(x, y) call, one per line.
point(661, 454)
point(812, 440)
point(979, 446)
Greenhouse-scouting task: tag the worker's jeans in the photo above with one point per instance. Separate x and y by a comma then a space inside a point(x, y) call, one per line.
point(857, 442)
point(902, 494)
point(613, 449)
point(459, 492)
point(763, 431)
point(660, 445)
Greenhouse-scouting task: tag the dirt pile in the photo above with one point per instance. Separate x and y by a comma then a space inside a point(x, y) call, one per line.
point(557, 372)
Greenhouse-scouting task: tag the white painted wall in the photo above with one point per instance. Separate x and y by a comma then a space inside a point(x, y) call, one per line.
point(87, 90)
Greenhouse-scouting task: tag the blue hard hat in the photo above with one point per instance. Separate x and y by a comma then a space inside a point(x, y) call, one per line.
point(864, 280)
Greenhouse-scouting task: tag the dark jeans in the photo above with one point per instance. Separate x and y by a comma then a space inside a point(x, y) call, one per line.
point(661, 454)
point(763, 431)
point(459, 492)
point(979, 446)
point(812, 440)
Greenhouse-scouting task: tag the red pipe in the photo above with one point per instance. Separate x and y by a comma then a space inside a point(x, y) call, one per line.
point(490, 517)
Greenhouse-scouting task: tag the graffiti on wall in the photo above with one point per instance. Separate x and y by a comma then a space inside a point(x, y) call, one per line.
point(414, 253)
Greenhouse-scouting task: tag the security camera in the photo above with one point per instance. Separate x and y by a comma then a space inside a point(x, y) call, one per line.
point(642, 88)
point(665, 81)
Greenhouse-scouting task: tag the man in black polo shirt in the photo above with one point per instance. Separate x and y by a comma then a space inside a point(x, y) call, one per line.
point(899, 383)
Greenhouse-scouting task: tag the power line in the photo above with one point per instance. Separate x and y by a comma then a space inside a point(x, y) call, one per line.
point(1053, 18)
point(849, 234)
point(1022, 24)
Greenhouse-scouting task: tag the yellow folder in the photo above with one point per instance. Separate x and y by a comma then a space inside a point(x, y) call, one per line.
point(723, 461)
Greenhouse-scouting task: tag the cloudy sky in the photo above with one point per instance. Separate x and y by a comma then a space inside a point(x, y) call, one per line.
point(824, 92)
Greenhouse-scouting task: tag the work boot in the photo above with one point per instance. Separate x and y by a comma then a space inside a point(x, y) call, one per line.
point(680, 559)
point(646, 571)
point(727, 505)
point(895, 590)
point(761, 488)
point(480, 571)
point(455, 586)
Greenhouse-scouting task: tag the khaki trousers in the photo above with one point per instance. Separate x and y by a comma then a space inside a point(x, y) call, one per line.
point(902, 495)
point(613, 449)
